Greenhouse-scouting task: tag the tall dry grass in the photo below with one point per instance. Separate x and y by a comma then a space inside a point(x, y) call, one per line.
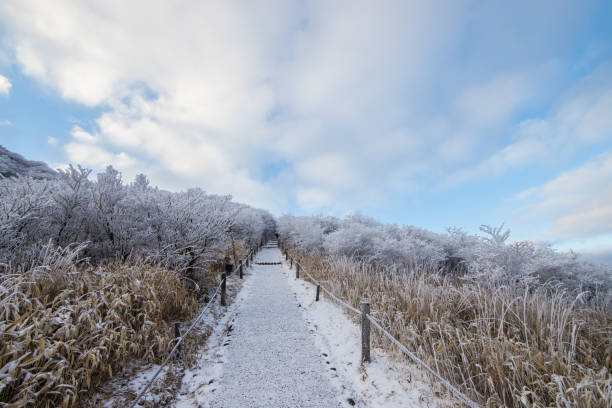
point(500, 345)
point(65, 329)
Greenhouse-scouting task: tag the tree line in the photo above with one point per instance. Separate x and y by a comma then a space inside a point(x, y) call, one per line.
point(185, 230)
point(488, 258)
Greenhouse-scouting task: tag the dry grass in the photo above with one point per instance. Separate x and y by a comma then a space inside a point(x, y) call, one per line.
point(166, 387)
point(63, 330)
point(501, 346)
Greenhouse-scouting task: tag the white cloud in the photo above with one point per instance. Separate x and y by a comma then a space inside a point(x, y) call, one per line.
point(82, 136)
point(356, 97)
point(5, 85)
point(51, 140)
point(97, 156)
point(5, 122)
point(576, 204)
point(582, 117)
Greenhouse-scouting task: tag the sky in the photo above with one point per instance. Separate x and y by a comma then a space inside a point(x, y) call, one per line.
point(428, 113)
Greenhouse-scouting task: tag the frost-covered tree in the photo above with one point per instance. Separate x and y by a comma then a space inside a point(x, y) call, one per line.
point(24, 202)
point(485, 259)
point(70, 195)
point(185, 230)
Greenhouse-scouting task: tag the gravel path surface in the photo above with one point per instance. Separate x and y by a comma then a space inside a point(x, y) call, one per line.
point(271, 359)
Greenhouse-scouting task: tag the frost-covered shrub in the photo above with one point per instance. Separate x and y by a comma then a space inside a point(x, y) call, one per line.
point(355, 240)
point(305, 233)
point(492, 259)
point(185, 230)
point(70, 196)
point(23, 206)
point(487, 259)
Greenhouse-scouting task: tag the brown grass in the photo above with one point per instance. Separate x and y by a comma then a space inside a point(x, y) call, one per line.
point(501, 346)
point(166, 387)
point(65, 329)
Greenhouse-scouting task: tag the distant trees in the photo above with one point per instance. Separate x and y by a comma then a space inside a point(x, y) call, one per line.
point(186, 230)
point(487, 259)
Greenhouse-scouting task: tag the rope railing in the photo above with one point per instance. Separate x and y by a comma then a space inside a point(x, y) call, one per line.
point(176, 346)
point(329, 293)
point(366, 317)
point(420, 362)
point(220, 287)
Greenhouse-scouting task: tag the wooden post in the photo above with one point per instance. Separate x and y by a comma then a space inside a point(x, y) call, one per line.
point(177, 335)
point(365, 331)
point(297, 269)
point(223, 289)
point(291, 264)
point(318, 291)
point(240, 271)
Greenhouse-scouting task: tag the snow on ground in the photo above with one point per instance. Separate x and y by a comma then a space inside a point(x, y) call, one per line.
point(135, 383)
point(382, 383)
point(200, 382)
point(268, 358)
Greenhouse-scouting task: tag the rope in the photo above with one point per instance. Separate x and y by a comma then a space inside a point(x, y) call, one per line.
point(330, 294)
point(178, 343)
point(309, 275)
point(403, 348)
point(423, 365)
point(349, 307)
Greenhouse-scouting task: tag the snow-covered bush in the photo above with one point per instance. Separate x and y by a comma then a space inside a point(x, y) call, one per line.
point(184, 230)
point(24, 204)
point(71, 196)
point(305, 233)
point(487, 259)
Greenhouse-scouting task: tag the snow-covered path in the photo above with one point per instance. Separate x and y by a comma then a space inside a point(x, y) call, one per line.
point(272, 359)
point(276, 347)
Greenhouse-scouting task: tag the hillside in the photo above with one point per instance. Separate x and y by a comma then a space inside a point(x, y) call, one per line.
point(13, 164)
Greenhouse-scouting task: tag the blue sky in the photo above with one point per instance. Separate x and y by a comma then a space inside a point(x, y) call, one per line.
point(431, 113)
